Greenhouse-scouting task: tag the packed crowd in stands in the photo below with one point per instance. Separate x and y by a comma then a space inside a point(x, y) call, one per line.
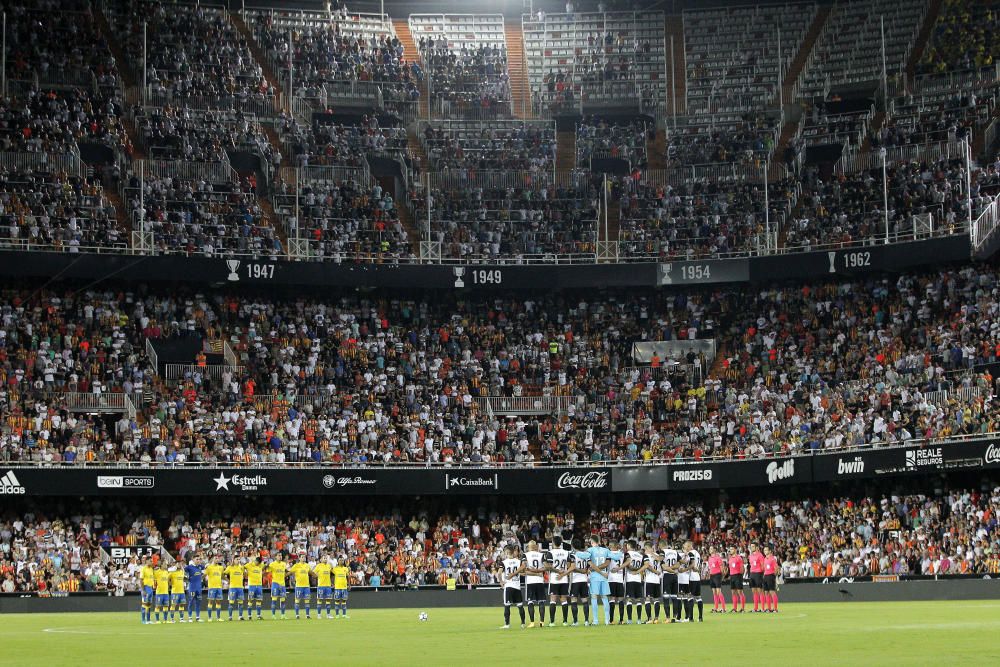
point(199, 217)
point(55, 121)
point(340, 143)
point(177, 133)
point(324, 56)
point(964, 38)
point(194, 51)
point(370, 378)
point(489, 223)
point(694, 219)
point(952, 531)
point(600, 138)
point(56, 211)
point(54, 41)
point(748, 138)
point(343, 219)
point(512, 146)
point(471, 78)
point(848, 208)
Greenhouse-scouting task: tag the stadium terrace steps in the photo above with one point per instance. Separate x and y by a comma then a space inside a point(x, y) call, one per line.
point(411, 55)
point(923, 38)
point(876, 124)
point(404, 214)
point(417, 150)
point(565, 150)
point(675, 28)
point(517, 70)
point(138, 149)
point(269, 219)
point(257, 53)
point(609, 230)
point(799, 62)
point(124, 222)
point(656, 150)
point(275, 141)
point(125, 65)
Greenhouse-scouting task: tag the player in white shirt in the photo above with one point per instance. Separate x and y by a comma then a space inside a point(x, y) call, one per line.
point(557, 560)
point(652, 584)
point(692, 560)
point(635, 569)
point(535, 583)
point(512, 567)
point(616, 583)
point(579, 583)
point(671, 588)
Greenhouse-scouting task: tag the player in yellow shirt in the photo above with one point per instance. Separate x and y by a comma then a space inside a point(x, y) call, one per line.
point(148, 582)
point(278, 569)
point(341, 587)
point(162, 578)
point(324, 586)
point(214, 573)
point(255, 587)
point(235, 572)
point(300, 570)
point(178, 601)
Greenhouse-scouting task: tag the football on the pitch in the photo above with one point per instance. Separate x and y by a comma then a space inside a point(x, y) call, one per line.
point(423, 616)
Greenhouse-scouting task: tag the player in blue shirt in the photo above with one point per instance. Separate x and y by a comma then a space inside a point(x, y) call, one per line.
point(195, 573)
point(600, 558)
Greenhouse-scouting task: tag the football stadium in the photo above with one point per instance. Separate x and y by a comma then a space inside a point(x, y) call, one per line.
point(420, 332)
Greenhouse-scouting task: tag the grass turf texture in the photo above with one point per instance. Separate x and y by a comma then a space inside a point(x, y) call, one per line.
point(872, 633)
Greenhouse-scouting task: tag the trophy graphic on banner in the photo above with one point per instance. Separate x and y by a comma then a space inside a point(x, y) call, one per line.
point(234, 265)
point(459, 272)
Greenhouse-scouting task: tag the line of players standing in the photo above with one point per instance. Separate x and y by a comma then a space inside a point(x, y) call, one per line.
point(641, 577)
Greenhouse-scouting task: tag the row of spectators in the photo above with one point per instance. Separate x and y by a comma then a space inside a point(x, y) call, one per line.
point(365, 378)
point(514, 146)
point(964, 38)
point(951, 531)
point(54, 121)
point(470, 78)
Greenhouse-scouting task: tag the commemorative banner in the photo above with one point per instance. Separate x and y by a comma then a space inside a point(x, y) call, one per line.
point(246, 271)
point(820, 467)
point(123, 555)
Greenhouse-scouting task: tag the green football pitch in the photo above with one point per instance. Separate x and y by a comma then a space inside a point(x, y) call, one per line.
point(849, 633)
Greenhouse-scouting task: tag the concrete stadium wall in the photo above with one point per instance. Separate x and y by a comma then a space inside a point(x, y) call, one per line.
point(964, 589)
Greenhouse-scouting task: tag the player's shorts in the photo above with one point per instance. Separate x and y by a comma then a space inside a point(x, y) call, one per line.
point(617, 589)
point(599, 586)
point(162, 599)
point(324, 592)
point(341, 593)
point(684, 589)
point(653, 589)
point(215, 594)
point(756, 579)
point(770, 582)
point(147, 594)
point(736, 582)
point(579, 589)
point(301, 593)
point(177, 598)
point(633, 590)
point(512, 596)
point(278, 591)
point(235, 594)
point(717, 580)
point(560, 590)
point(255, 592)
point(194, 595)
point(670, 586)
point(536, 593)
point(694, 588)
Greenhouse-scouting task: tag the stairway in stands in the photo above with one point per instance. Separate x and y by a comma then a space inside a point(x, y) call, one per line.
point(675, 29)
point(410, 54)
point(610, 228)
point(258, 54)
point(799, 62)
point(517, 68)
point(656, 150)
point(565, 150)
point(404, 213)
point(923, 38)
